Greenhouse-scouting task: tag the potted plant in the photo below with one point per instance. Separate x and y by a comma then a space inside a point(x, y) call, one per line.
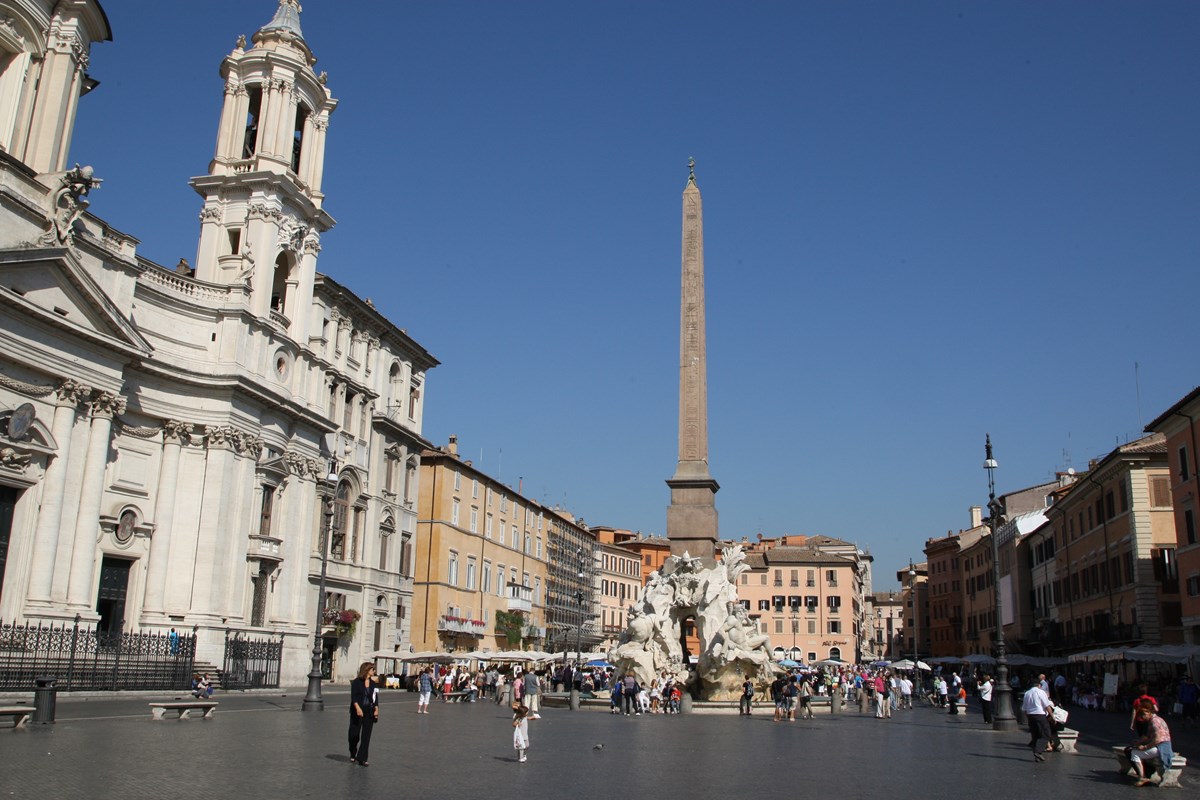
point(344, 622)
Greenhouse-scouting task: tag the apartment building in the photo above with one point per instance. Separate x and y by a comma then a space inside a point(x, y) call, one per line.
point(481, 561)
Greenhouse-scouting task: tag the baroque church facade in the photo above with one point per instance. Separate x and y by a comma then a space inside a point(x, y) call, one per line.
point(177, 443)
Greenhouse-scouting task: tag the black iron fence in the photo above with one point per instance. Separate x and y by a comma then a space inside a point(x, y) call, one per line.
point(251, 663)
point(87, 659)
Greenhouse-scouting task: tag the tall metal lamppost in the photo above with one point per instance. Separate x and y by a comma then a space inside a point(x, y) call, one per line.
point(580, 574)
point(1002, 717)
point(312, 699)
point(912, 597)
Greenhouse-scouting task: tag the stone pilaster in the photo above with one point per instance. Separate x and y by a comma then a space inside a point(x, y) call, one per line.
point(175, 433)
point(49, 522)
point(103, 407)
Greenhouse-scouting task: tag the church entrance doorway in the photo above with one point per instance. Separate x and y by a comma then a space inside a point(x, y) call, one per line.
point(110, 599)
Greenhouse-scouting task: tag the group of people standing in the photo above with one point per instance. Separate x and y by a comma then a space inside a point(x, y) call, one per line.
point(627, 696)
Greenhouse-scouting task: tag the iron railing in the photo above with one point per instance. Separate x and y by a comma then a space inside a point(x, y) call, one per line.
point(89, 659)
point(251, 663)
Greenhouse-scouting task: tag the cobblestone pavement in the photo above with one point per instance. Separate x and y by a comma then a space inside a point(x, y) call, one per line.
point(263, 746)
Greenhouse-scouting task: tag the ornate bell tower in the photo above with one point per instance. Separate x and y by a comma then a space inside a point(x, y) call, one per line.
point(262, 216)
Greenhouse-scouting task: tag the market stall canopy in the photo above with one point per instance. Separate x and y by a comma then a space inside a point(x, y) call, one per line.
point(432, 657)
point(1020, 660)
point(981, 660)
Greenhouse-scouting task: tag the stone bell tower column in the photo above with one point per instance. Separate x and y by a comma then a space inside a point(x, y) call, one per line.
point(692, 515)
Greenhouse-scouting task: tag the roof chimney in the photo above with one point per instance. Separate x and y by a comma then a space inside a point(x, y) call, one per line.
point(976, 516)
point(453, 446)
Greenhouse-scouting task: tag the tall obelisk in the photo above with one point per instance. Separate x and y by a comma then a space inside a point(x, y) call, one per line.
point(692, 515)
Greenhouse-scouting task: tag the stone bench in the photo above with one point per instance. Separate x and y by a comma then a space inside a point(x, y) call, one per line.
point(1068, 738)
point(1169, 778)
point(184, 708)
point(20, 714)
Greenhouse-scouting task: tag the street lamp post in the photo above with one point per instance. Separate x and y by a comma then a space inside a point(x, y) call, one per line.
point(579, 606)
point(912, 596)
point(312, 700)
point(1002, 717)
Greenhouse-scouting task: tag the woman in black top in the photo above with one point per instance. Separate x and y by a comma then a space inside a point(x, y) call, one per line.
point(364, 712)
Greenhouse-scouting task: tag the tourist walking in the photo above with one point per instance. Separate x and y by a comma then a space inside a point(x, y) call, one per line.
point(532, 689)
point(939, 684)
point(806, 711)
point(1154, 745)
point(521, 731)
point(424, 690)
point(880, 699)
point(1037, 707)
point(629, 693)
point(789, 699)
point(364, 712)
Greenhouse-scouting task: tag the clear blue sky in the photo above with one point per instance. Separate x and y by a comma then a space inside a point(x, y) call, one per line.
point(924, 221)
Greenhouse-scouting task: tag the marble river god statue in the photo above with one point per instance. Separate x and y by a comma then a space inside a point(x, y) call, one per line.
point(731, 648)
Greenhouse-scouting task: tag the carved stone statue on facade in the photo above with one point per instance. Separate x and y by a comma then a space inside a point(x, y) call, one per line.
point(68, 204)
point(731, 647)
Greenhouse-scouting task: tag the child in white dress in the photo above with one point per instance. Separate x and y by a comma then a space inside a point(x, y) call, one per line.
point(521, 731)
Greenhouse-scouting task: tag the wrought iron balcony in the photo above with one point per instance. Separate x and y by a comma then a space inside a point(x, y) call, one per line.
point(472, 627)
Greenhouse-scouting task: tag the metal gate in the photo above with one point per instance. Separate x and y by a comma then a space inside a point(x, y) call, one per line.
point(87, 659)
point(251, 663)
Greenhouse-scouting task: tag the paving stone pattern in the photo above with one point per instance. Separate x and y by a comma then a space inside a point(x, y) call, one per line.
point(263, 747)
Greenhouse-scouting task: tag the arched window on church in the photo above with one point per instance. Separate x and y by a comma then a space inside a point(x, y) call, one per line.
point(254, 108)
point(298, 137)
point(279, 284)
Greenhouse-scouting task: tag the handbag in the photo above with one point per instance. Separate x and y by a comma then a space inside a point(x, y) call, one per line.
point(1177, 709)
point(1060, 715)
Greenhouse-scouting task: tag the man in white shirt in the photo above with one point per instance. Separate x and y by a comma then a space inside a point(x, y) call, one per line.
point(985, 698)
point(906, 687)
point(1037, 707)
